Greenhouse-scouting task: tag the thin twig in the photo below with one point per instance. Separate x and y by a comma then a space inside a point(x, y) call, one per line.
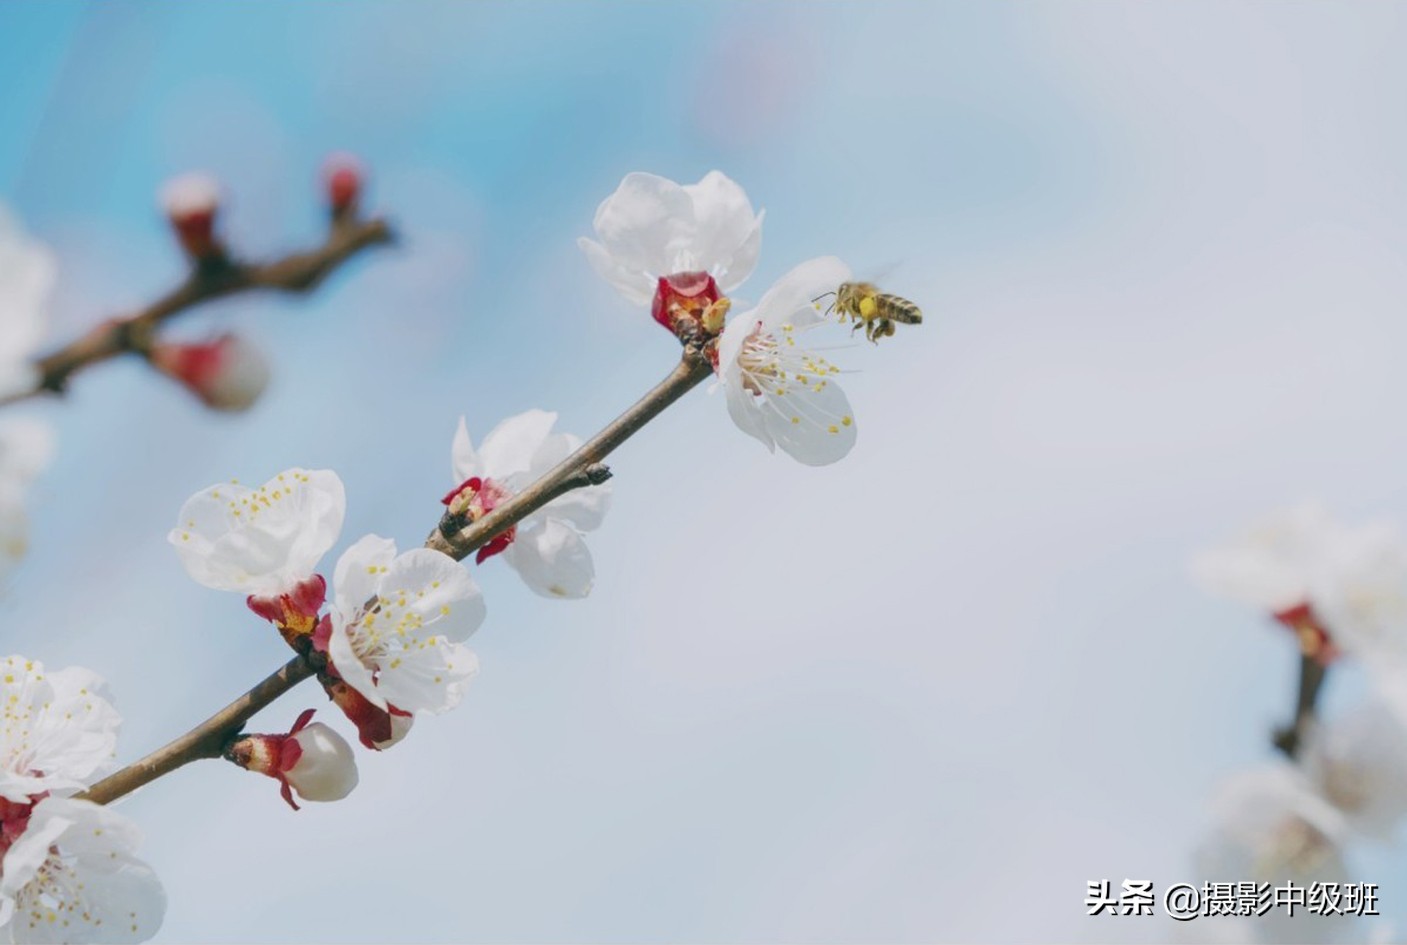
point(581, 469)
point(208, 280)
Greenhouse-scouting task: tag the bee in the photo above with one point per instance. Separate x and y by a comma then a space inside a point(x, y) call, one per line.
point(876, 310)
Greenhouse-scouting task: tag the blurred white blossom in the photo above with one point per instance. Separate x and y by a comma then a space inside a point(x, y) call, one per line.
point(777, 390)
point(546, 548)
point(27, 274)
point(1304, 568)
point(1269, 826)
point(1358, 762)
point(57, 729)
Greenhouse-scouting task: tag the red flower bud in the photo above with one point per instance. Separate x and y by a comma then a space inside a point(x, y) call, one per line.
point(227, 374)
point(191, 203)
point(343, 177)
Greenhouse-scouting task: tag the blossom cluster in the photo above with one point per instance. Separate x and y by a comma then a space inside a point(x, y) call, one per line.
point(1342, 592)
point(385, 630)
point(68, 869)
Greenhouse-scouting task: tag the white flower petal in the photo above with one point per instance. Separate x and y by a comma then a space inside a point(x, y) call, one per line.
point(57, 729)
point(636, 285)
point(260, 541)
point(645, 222)
point(431, 677)
point(792, 299)
point(327, 769)
point(92, 889)
point(359, 571)
point(728, 235)
point(345, 657)
point(553, 560)
point(508, 451)
point(464, 461)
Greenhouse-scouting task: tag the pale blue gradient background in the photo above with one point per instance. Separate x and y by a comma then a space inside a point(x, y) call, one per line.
point(925, 694)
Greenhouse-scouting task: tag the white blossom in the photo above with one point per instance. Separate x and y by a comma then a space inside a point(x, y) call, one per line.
point(262, 541)
point(1269, 826)
point(546, 548)
point(57, 729)
point(1353, 580)
point(27, 273)
point(71, 876)
point(26, 446)
point(652, 228)
point(1358, 762)
point(397, 622)
point(778, 391)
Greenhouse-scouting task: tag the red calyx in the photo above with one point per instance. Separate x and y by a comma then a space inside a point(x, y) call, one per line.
point(1314, 638)
point(683, 295)
point(373, 723)
point(296, 612)
point(14, 819)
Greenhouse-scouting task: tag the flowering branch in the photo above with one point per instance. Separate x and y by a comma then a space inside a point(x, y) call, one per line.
point(212, 277)
point(581, 469)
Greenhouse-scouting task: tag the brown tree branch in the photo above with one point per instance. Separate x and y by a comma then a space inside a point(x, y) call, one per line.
point(209, 279)
point(581, 469)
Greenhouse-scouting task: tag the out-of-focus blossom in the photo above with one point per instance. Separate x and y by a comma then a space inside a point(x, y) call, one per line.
point(1337, 587)
point(265, 542)
point(191, 203)
point(312, 760)
point(27, 274)
point(678, 247)
point(228, 373)
point(546, 548)
point(1269, 826)
point(69, 874)
point(343, 176)
point(777, 391)
point(395, 627)
point(57, 729)
point(26, 446)
point(1358, 762)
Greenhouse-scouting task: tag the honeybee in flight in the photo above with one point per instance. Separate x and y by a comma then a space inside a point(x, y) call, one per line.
point(876, 310)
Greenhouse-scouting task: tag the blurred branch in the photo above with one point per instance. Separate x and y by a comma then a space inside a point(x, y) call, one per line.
point(581, 469)
point(209, 279)
point(1290, 738)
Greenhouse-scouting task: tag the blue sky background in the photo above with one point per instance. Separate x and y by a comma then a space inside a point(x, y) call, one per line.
point(925, 694)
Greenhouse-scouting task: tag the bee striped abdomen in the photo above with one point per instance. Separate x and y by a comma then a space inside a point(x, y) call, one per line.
point(898, 309)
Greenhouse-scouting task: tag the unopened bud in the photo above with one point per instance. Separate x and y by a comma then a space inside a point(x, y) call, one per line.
point(311, 760)
point(343, 176)
point(191, 203)
point(228, 373)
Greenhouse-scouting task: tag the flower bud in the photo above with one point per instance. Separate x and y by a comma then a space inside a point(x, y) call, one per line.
point(312, 760)
point(324, 768)
point(228, 373)
point(191, 203)
point(343, 176)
